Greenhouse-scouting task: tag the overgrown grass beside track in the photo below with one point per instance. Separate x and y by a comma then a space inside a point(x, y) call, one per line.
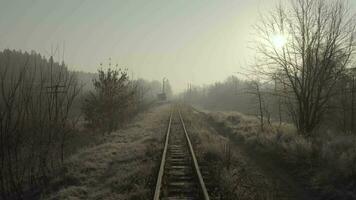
point(327, 165)
point(232, 175)
point(122, 166)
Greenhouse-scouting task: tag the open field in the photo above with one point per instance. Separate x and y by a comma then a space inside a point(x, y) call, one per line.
point(123, 166)
point(125, 163)
point(323, 167)
point(236, 172)
point(236, 158)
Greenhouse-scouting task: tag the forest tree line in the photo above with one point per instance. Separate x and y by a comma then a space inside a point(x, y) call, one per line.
point(43, 104)
point(304, 70)
point(235, 94)
point(301, 88)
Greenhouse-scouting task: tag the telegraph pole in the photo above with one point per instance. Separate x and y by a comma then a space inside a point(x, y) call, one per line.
point(55, 89)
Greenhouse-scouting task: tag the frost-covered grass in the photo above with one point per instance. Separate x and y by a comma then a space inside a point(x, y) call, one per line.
point(232, 175)
point(327, 164)
point(123, 166)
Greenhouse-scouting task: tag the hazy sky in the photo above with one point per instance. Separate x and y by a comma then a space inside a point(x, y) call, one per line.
point(197, 41)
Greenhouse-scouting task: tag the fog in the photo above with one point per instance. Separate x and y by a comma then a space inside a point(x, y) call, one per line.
point(178, 99)
point(154, 39)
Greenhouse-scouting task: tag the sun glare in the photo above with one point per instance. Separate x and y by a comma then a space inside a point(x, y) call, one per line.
point(279, 41)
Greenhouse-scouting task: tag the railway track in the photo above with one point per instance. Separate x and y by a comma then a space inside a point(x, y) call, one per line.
point(179, 176)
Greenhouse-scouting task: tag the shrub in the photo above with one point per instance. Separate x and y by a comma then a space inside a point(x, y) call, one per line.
point(111, 102)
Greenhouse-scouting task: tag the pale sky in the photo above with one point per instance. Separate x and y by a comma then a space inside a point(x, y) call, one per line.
point(196, 41)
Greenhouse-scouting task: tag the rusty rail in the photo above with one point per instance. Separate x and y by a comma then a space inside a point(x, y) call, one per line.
point(196, 166)
point(163, 161)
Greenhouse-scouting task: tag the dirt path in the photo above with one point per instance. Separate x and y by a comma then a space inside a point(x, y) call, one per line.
point(122, 167)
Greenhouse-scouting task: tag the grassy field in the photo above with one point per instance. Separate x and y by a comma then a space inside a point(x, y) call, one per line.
point(122, 166)
point(241, 161)
point(326, 166)
point(235, 172)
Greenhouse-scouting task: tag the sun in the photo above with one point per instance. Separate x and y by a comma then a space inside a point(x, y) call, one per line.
point(279, 41)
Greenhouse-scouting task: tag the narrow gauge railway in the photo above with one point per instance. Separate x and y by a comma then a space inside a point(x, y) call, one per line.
point(179, 176)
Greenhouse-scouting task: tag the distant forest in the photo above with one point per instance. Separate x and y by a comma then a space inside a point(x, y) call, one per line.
point(43, 108)
point(245, 96)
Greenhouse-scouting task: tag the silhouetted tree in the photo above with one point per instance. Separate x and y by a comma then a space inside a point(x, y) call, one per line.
point(36, 97)
point(111, 102)
point(320, 42)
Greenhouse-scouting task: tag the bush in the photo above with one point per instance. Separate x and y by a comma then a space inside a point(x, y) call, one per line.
point(111, 102)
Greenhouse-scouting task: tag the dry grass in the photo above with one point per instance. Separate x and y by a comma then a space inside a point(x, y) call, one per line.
point(122, 167)
point(234, 174)
point(327, 164)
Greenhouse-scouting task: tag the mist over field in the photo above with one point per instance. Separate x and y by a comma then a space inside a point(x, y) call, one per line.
point(177, 99)
point(173, 39)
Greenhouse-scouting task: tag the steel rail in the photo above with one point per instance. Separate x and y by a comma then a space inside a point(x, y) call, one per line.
point(163, 161)
point(196, 166)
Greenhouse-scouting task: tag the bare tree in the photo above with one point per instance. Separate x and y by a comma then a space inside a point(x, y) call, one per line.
point(34, 119)
point(308, 44)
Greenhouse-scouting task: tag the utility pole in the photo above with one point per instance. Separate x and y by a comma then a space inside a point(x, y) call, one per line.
point(54, 89)
point(353, 104)
point(163, 84)
point(189, 91)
